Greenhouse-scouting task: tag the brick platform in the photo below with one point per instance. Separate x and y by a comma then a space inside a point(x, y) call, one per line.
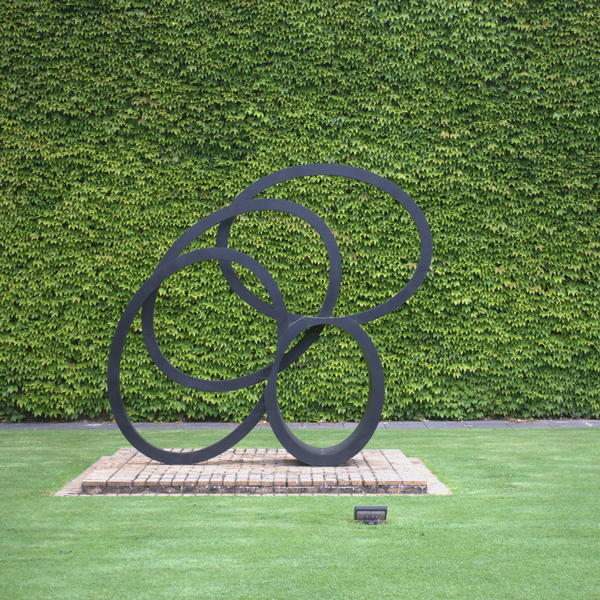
point(256, 472)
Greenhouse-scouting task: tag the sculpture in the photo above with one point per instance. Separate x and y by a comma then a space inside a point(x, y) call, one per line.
point(288, 325)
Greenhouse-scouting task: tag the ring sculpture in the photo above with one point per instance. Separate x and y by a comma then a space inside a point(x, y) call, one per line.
point(289, 325)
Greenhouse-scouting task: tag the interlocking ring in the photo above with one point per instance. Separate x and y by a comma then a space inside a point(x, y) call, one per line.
point(289, 325)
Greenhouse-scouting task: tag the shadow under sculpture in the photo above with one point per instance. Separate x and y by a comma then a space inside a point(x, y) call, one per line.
point(289, 325)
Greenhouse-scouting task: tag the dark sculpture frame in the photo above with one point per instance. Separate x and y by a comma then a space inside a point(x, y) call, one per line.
point(289, 325)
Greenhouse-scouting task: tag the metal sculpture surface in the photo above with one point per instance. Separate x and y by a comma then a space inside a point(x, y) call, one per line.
point(289, 325)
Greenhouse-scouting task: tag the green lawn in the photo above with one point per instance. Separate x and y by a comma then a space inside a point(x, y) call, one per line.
point(523, 522)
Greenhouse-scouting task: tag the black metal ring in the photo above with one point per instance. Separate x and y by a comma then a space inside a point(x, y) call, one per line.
point(335, 274)
point(377, 181)
point(358, 439)
point(116, 350)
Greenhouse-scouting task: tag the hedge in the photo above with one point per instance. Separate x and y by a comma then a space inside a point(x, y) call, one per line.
point(125, 122)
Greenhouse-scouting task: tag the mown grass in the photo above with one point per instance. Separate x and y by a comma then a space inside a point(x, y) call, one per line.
point(523, 522)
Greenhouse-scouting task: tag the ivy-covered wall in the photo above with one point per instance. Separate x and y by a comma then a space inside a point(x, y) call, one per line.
point(125, 122)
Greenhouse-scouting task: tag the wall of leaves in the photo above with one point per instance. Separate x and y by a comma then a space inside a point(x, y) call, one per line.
point(125, 122)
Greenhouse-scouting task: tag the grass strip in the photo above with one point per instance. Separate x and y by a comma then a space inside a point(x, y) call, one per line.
point(523, 522)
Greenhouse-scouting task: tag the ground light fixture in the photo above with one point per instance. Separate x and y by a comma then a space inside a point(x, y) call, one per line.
point(371, 515)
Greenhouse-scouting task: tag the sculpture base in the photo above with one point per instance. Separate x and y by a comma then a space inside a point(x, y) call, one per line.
point(249, 471)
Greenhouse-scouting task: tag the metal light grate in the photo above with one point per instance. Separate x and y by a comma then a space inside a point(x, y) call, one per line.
point(371, 515)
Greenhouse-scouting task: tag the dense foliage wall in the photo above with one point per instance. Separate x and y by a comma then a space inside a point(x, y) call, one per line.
point(125, 122)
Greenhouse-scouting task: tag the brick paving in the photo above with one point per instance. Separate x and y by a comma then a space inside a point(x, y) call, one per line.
point(251, 471)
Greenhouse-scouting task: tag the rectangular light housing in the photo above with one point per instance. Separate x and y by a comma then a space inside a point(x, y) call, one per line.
point(370, 514)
